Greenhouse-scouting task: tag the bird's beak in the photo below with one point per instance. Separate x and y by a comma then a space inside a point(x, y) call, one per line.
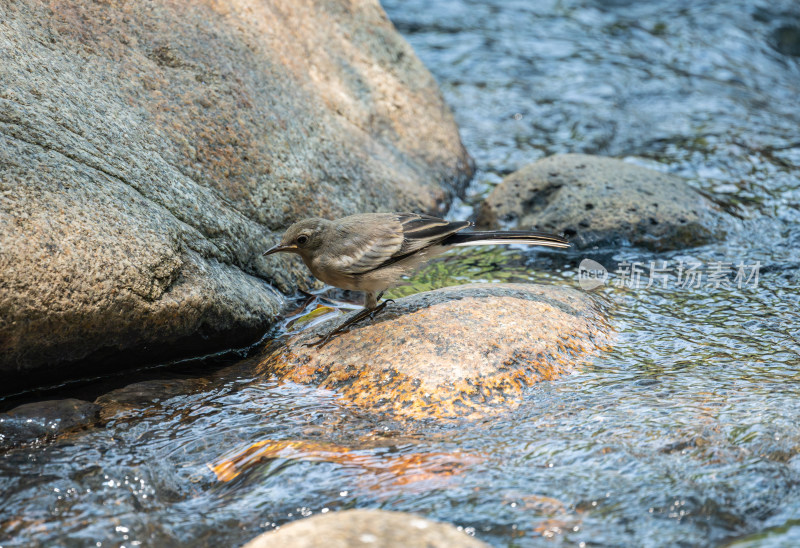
point(278, 248)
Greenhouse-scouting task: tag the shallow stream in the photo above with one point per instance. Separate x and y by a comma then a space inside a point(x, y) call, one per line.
point(687, 433)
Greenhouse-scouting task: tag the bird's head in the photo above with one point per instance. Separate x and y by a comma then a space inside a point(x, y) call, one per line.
point(303, 238)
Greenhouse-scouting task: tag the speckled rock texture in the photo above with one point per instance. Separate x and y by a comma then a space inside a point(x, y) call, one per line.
point(458, 352)
point(600, 201)
point(355, 528)
point(150, 150)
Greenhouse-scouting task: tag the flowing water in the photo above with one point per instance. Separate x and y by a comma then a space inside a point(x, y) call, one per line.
point(686, 433)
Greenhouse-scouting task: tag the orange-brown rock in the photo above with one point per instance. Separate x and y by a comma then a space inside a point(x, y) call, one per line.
point(456, 352)
point(150, 150)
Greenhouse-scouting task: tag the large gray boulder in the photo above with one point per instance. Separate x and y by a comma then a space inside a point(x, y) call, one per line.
point(149, 151)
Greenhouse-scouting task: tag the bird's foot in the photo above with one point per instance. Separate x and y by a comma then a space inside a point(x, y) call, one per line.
point(375, 311)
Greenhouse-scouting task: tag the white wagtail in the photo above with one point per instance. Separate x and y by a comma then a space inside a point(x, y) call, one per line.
point(371, 251)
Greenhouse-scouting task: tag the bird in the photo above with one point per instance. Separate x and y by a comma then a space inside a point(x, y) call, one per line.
point(370, 252)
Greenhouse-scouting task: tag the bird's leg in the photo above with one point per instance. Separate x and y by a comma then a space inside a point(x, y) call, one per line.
point(378, 307)
point(367, 311)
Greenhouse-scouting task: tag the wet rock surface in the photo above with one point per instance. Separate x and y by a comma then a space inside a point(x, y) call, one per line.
point(137, 396)
point(599, 201)
point(462, 351)
point(150, 151)
point(352, 528)
point(39, 420)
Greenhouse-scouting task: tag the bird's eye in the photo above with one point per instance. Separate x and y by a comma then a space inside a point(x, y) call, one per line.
point(302, 239)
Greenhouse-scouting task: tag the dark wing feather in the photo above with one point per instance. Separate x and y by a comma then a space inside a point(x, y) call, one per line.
point(420, 231)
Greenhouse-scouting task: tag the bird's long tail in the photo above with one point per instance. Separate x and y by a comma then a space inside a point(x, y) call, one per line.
point(494, 237)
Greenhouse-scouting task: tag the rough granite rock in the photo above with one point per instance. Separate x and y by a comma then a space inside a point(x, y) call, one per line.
point(150, 150)
point(596, 201)
point(458, 352)
point(373, 528)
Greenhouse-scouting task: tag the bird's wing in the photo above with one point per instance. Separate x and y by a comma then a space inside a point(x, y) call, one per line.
point(420, 231)
point(365, 243)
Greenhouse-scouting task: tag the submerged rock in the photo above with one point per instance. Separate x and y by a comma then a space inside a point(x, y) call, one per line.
point(44, 419)
point(135, 397)
point(596, 201)
point(463, 351)
point(150, 151)
point(378, 528)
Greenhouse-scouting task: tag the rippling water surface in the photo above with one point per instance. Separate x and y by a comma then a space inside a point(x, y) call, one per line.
point(686, 433)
